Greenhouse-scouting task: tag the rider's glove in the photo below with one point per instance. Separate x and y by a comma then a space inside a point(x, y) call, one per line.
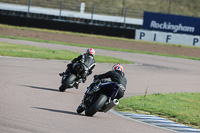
point(96, 77)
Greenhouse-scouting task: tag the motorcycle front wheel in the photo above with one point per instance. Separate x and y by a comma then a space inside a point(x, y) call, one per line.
point(96, 106)
point(65, 84)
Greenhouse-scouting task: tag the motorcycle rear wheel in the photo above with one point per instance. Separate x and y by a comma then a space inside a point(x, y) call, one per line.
point(96, 106)
point(65, 84)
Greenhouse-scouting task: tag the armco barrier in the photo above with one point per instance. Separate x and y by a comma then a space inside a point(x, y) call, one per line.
point(67, 24)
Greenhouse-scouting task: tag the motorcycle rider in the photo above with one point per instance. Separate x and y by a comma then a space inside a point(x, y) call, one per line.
point(87, 59)
point(116, 75)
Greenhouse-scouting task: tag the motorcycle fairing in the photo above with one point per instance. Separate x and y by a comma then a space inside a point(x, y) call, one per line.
point(109, 88)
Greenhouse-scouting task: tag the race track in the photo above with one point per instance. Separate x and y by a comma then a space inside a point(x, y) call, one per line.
point(30, 100)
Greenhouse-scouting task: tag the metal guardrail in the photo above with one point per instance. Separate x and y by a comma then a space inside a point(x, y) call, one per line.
point(69, 19)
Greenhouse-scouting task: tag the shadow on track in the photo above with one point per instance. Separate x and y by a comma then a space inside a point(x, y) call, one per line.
point(59, 111)
point(41, 88)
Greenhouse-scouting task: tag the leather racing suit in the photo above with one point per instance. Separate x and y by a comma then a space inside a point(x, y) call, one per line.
point(117, 77)
point(87, 60)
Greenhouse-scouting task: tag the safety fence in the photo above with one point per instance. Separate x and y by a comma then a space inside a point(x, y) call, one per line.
point(125, 8)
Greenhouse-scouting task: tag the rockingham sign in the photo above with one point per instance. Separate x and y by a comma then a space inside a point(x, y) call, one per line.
point(172, 29)
point(171, 23)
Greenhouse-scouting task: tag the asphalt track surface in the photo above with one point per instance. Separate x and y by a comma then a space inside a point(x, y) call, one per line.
point(30, 100)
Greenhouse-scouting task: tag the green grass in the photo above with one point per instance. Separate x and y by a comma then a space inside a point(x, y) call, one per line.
point(69, 33)
point(179, 107)
point(183, 108)
point(7, 49)
point(100, 47)
point(86, 35)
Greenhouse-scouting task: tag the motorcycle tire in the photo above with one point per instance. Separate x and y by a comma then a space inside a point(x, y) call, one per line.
point(96, 106)
point(65, 84)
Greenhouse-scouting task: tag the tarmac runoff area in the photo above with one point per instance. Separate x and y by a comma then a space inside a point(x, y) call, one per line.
point(30, 100)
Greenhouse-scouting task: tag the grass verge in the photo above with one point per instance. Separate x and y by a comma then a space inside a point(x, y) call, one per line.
point(183, 112)
point(95, 36)
point(89, 35)
point(99, 47)
point(7, 49)
point(183, 108)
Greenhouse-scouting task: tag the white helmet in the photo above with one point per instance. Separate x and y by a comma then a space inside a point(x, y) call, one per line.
point(91, 51)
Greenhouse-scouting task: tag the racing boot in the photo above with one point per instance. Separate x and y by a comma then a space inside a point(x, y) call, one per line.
point(84, 79)
point(66, 72)
point(76, 84)
point(80, 108)
point(62, 74)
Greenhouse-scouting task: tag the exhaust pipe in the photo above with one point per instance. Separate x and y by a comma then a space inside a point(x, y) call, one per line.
point(111, 105)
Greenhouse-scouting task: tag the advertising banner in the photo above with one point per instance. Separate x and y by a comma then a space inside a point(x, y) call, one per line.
point(164, 37)
point(171, 23)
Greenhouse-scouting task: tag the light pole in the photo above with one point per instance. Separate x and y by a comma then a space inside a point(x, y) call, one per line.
point(123, 6)
point(29, 5)
point(61, 6)
point(77, 5)
point(169, 9)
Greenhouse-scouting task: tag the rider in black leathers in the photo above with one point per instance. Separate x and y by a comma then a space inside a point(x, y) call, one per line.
point(86, 59)
point(116, 75)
